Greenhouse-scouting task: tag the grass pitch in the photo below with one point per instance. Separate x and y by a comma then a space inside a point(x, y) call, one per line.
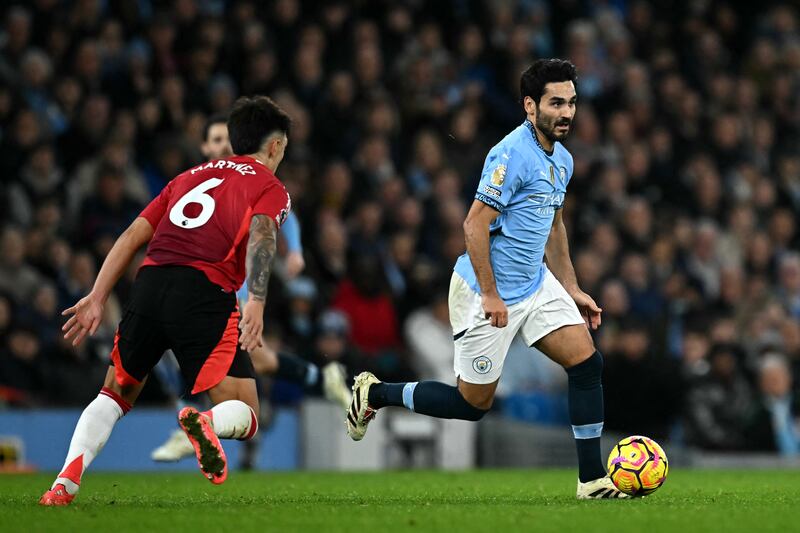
point(487, 501)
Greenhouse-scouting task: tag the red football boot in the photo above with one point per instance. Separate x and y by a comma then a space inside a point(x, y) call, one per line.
point(58, 495)
point(210, 455)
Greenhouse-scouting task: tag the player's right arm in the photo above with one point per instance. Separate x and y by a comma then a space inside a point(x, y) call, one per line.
point(476, 233)
point(87, 314)
point(500, 179)
point(262, 246)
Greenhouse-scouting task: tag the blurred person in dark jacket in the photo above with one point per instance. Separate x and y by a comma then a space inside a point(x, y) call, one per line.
point(774, 425)
point(17, 278)
point(22, 370)
point(719, 402)
point(643, 391)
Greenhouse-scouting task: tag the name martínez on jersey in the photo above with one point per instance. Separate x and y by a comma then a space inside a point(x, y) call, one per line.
point(241, 168)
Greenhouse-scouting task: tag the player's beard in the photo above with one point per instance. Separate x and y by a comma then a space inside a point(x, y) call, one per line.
point(547, 125)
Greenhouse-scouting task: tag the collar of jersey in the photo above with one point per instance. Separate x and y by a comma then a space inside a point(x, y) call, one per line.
point(529, 125)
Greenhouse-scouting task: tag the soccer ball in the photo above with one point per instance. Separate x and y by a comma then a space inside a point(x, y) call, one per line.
point(638, 465)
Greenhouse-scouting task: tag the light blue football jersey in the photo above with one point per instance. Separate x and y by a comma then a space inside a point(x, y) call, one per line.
point(526, 185)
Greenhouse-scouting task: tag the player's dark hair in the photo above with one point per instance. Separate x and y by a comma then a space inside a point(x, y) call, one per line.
point(542, 72)
point(216, 118)
point(252, 120)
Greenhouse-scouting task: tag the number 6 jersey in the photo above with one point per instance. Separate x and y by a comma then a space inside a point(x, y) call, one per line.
point(202, 217)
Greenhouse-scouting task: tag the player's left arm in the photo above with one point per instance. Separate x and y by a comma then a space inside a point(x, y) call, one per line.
point(558, 261)
point(295, 263)
point(261, 249)
point(87, 314)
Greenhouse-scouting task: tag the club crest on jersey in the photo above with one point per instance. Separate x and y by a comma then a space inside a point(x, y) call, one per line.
point(482, 364)
point(563, 172)
point(499, 175)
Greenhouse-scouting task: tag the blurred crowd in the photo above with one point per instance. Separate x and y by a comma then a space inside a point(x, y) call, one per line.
point(682, 210)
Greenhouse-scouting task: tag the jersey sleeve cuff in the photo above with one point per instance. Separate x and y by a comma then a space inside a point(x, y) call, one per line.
point(491, 202)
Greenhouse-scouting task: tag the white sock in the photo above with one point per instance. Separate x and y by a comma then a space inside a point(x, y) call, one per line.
point(233, 419)
point(91, 433)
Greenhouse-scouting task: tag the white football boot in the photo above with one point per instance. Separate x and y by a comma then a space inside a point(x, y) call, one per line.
point(334, 386)
point(599, 489)
point(360, 414)
point(176, 447)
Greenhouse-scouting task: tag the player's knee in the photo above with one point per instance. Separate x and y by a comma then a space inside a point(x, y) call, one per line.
point(252, 428)
point(476, 404)
point(478, 397)
point(587, 373)
point(580, 350)
point(126, 394)
point(474, 413)
point(251, 401)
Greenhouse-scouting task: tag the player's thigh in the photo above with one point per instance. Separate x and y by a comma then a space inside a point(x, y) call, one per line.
point(480, 354)
point(203, 332)
point(138, 345)
point(265, 360)
point(555, 326)
point(129, 393)
point(233, 388)
point(478, 395)
point(568, 345)
point(207, 350)
point(480, 348)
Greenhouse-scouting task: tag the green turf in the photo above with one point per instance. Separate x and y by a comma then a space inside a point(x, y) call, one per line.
point(490, 501)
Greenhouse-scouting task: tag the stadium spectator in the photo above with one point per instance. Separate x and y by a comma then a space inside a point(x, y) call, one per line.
point(635, 370)
point(16, 277)
point(430, 339)
point(773, 424)
point(22, 369)
point(719, 402)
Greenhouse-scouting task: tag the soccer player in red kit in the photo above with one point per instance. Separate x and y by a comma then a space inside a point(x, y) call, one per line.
point(209, 228)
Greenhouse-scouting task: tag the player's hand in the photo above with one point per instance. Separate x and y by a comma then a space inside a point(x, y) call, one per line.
point(251, 325)
point(294, 264)
point(495, 310)
point(588, 308)
point(86, 317)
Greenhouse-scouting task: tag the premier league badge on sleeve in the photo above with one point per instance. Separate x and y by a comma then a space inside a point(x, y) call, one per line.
point(499, 175)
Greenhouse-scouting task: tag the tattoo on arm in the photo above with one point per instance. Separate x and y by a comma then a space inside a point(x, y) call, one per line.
point(261, 249)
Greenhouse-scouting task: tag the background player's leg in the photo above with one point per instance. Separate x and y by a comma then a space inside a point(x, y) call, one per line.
point(328, 381)
point(287, 367)
point(94, 427)
point(572, 348)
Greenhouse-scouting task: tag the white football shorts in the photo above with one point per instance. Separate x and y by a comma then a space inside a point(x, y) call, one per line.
point(480, 348)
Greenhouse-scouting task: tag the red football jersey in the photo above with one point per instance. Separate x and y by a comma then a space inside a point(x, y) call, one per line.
point(202, 217)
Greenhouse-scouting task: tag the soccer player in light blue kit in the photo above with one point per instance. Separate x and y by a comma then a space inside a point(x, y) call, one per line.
point(516, 279)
